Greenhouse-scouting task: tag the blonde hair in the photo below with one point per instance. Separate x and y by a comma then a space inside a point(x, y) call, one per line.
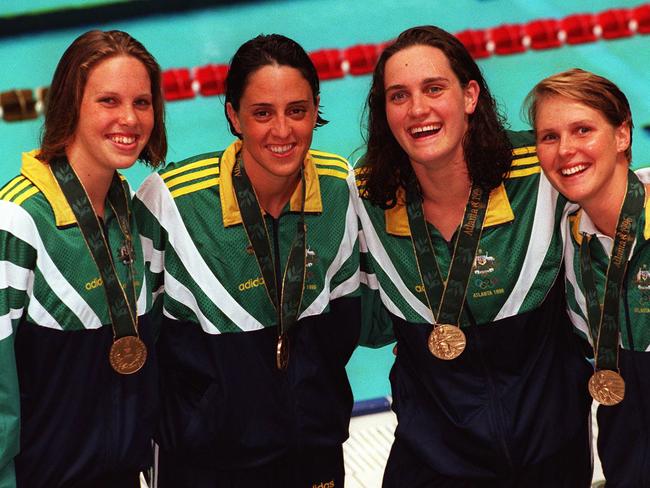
point(589, 89)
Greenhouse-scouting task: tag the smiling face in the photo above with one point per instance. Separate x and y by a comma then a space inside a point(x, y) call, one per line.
point(115, 117)
point(276, 120)
point(582, 154)
point(426, 107)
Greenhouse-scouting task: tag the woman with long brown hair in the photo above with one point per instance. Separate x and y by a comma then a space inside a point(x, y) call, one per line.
point(78, 389)
point(461, 254)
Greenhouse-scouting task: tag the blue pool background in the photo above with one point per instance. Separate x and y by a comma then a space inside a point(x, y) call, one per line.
point(212, 35)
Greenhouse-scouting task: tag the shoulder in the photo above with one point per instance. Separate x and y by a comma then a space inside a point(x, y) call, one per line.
point(643, 174)
point(22, 203)
point(24, 211)
point(192, 174)
point(525, 163)
point(18, 190)
point(184, 177)
point(521, 138)
point(330, 165)
point(334, 175)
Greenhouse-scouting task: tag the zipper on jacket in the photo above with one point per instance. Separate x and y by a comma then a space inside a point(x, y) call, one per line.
point(496, 412)
point(275, 229)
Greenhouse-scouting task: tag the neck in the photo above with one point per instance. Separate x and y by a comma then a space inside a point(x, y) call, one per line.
point(604, 210)
point(445, 192)
point(272, 192)
point(447, 186)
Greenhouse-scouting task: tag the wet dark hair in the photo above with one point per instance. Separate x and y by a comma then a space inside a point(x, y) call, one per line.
point(486, 146)
point(267, 50)
point(69, 82)
point(587, 88)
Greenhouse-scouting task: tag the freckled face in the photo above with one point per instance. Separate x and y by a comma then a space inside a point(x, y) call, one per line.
point(115, 117)
point(582, 154)
point(426, 107)
point(276, 120)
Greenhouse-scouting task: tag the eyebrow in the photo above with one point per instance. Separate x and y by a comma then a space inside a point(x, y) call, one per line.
point(576, 123)
point(426, 81)
point(268, 104)
point(105, 93)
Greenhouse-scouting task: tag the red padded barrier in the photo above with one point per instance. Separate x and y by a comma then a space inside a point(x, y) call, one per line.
point(579, 28)
point(507, 39)
point(208, 80)
point(362, 58)
point(614, 23)
point(543, 34)
point(641, 15)
point(211, 79)
point(177, 84)
point(328, 62)
point(475, 41)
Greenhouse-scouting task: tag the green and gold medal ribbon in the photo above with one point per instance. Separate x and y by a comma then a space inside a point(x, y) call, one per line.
point(446, 341)
point(287, 299)
point(128, 353)
point(606, 385)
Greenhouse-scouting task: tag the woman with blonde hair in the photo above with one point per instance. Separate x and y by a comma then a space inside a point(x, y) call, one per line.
point(583, 125)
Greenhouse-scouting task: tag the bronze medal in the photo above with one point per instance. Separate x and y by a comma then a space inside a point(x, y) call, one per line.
point(128, 354)
point(285, 295)
point(446, 341)
point(282, 352)
point(607, 387)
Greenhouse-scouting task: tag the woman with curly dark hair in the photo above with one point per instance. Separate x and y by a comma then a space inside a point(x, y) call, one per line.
point(461, 258)
point(486, 145)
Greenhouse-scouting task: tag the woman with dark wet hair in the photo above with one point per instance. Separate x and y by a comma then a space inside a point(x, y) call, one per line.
point(460, 261)
point(254, 252)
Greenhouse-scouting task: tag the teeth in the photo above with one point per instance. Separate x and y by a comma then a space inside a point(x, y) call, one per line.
point(123, 139)
point(425, 128)
point(573, 170)
point(281, 149)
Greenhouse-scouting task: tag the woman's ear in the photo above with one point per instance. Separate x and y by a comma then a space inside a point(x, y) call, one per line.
point(622, 136)
point(233, 117)
point(472, 91)
point(316, 111)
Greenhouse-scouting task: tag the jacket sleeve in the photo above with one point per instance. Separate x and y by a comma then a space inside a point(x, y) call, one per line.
point(9, 400)
point(153, 237)
point(376, 325)
point(345, 281)
point(17, 260)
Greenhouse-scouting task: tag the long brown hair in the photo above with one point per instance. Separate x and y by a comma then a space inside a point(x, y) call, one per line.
point(486, 146)
point(67, 89)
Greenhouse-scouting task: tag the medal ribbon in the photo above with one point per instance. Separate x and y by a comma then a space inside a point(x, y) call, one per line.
point(121, 308)
point(450, 293)
point(604, 320)
point(286, 300)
